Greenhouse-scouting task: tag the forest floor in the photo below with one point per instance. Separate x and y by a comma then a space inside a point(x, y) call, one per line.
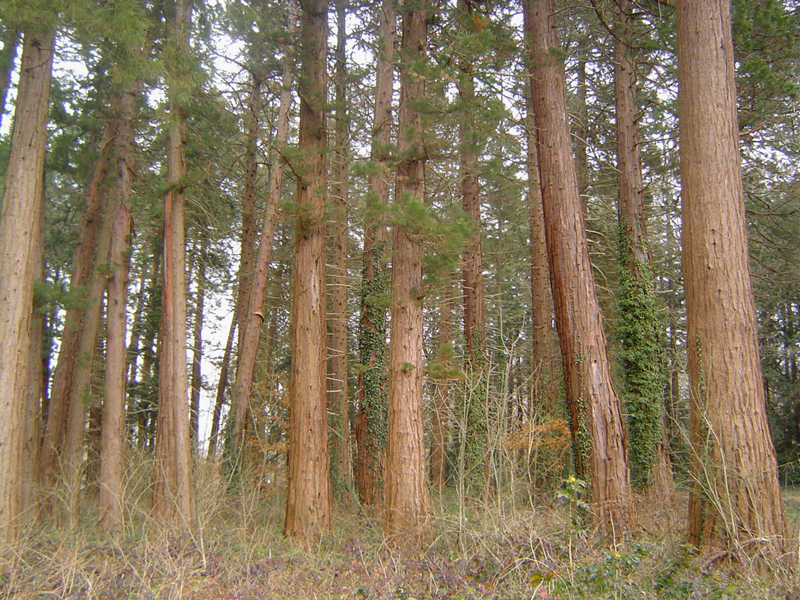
point(502, 550)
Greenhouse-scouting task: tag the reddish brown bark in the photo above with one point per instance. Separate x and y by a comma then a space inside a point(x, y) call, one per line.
point(20, 240)
point(735, 499)
point(338, 394)
point(252, 319)
point(172, 488)
point(111, 501)
point(308, 502)
point(407, 502)
point(598, 432)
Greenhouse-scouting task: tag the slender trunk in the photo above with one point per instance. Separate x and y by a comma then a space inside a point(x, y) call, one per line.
point(222, 384)
point(338, 397)
point(172, 489)
point(598, 433)
point(407, 502)
point(308, 502)
point(197, 353)
point(581, 124)
point(111, 501)
point(545, 340)
point(442, 377)
point(84, 261)
point(20, 239)
point(373, 374)
point(735, 499)
point(251, 320)
point(247, 255)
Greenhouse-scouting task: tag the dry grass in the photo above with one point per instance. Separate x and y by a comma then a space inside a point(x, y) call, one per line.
point(502, 551)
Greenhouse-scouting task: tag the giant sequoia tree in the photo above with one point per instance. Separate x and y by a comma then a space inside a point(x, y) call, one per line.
point(407, 504)
point(735, 497)
point(599, 437)
point(20, 238)
point(308, 501)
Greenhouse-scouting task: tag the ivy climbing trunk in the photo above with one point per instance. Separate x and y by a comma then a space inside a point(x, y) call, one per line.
point(373, 372)
point(308, 500)
point(598, 434)
point(20, 241)
point(735, 497)
point(640, 326)
point(407, 502)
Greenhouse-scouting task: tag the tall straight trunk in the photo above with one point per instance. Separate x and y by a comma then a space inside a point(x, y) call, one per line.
point(222, 384)
point(8, 55)
point(641, 329)
point(252, 319)
point(20, 239)
point(442, 377)
point(735, 499)
point(111, 501)
point(338, 396)
point(545, 340)
point(581, 123)
point(472, 269)
point(407, 502)
point(34, 387)
point(373, 374)
point(196, 381)
point(598, 433)
point(172, 489)
point(308, 501)
point(247, 256)
point(83, 268)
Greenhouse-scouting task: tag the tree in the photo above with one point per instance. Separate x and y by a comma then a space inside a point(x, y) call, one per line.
point(735, 497)
point(172, 489)
point(641, 328)
point(20, 241)
point(308, 501)
point(407, 503)
point(599, 438)
point(338, 395)
point(371, 436)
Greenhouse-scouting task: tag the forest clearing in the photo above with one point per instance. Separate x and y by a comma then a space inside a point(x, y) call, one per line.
point(400, 299)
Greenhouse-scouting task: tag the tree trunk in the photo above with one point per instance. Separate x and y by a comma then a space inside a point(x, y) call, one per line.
point(252, 319)
point(442, 376)
point(196, 382)
point(735, 498)
point(598, 433)
point(111, 501)
point(373, 374)
point(222, 384)
point(84, 261)
point(546, 391)
point(20, 240)
point(308, 502)
point(338, 396)
point(172, 489)
point(407, 503)
point(640, 326)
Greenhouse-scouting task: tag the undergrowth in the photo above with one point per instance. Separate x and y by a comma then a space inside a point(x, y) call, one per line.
point(499, 551)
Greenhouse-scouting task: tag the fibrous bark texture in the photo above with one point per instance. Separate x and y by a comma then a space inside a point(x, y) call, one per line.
point(735, 498)
point(20, 239)
point(600, 444)
point(407, 502)
point(308, 501)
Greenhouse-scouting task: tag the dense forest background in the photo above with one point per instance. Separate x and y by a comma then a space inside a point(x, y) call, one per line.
point(225, 184)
